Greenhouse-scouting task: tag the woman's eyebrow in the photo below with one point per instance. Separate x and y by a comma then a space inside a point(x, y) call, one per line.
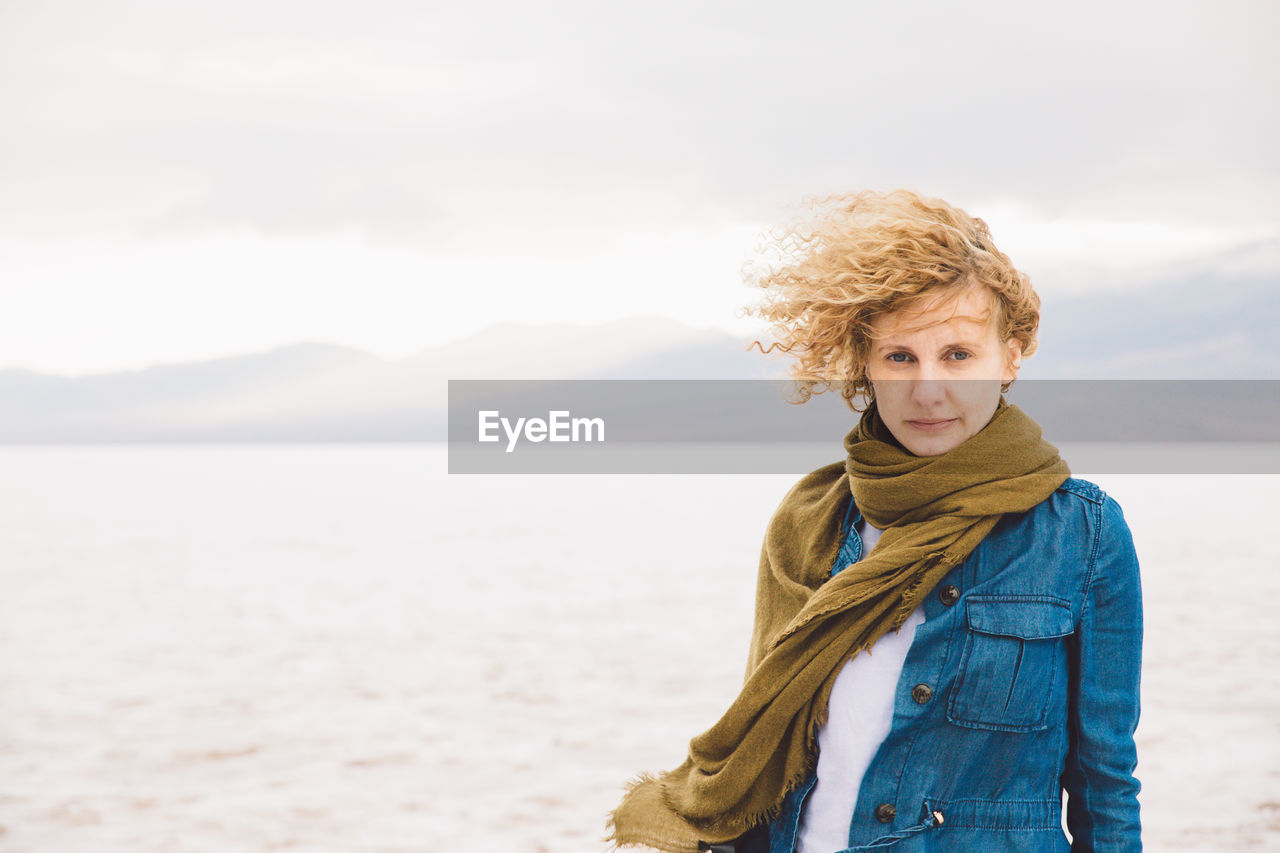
point(884, 345)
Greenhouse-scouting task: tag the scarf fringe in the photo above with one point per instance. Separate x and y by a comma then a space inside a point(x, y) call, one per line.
point(611, 825)
point(909, 601)
point(752, 818)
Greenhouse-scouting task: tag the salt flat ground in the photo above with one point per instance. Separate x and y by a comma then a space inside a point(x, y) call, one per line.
point(342, 648)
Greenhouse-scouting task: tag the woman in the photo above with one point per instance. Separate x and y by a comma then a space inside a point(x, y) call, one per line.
point(1000, 595)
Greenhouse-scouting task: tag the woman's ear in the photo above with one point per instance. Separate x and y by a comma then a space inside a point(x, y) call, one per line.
point(1014, 360)
point(1015, 352)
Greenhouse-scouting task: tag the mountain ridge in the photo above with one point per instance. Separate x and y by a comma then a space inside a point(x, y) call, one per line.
point(1215, 327)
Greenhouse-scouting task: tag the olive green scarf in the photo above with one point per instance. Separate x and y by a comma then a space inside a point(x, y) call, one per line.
point(934, 511)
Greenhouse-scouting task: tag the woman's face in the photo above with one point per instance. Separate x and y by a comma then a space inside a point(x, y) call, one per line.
point(937, 373)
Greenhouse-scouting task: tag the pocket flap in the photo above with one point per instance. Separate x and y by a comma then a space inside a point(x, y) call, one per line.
point(1028, 619)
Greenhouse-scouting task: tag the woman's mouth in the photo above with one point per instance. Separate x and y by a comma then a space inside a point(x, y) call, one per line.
point(932, 426)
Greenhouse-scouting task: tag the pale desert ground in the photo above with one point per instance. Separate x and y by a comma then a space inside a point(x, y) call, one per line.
point(328, 648)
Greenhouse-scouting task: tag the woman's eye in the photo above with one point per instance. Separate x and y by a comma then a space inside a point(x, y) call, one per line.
point(894, 357)
point(963, 355)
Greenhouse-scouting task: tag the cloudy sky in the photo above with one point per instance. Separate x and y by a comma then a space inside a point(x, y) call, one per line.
point(189, 180)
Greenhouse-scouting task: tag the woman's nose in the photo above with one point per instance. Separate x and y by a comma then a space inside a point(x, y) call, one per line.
point(927, 391)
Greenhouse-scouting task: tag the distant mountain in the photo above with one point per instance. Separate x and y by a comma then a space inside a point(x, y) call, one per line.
point(323, 392)
point(1217, 320)
point(616, 350)
point(192, 401)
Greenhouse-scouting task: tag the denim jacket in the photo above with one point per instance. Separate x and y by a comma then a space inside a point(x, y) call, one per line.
point(1022, 682)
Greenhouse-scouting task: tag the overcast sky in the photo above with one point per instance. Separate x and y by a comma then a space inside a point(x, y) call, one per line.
point(189, 180)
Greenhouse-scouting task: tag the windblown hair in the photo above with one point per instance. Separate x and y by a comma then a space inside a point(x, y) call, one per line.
point(862, 255)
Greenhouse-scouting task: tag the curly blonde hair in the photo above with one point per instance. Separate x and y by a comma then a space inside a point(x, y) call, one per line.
point(862, 255)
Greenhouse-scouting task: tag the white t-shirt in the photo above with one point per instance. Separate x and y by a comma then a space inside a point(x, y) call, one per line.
point(859, 717)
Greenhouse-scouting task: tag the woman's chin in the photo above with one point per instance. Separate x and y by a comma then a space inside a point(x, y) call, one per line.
point(936, 446)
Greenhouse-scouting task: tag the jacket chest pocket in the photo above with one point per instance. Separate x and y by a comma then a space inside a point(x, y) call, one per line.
point(1012, 656)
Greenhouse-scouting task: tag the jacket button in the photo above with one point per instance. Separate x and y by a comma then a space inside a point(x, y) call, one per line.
point(949, 595)
point(921, 693)
point(885, 812)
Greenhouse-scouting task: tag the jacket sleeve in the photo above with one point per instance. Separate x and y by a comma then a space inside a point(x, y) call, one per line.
point(1105, 659)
